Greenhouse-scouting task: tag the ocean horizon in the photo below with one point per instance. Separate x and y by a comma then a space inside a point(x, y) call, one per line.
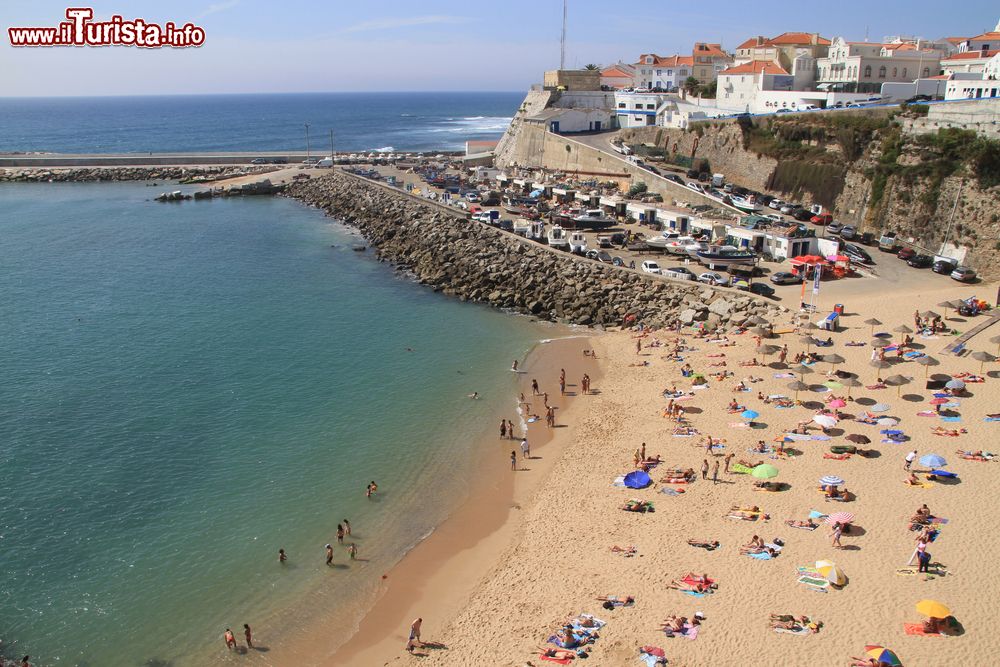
point(385, 121)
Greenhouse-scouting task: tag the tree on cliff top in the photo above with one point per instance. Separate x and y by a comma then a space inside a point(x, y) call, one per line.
point(691, 85)
point(591, 67)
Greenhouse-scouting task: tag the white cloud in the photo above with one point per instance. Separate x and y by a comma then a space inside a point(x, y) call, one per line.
point(387, 24)
point(218, 7)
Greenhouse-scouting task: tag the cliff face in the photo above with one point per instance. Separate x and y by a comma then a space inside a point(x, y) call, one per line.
point(933, 188)
point(476, 262)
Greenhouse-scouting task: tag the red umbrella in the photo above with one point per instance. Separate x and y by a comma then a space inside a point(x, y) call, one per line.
point(938, 401)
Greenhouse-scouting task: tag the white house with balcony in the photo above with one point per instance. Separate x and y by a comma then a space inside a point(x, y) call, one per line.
point(862, 67)
point(662, 73)
point(971, 85)
point(988, 41)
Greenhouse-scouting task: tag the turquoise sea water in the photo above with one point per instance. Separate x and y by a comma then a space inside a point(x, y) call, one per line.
point(187, 388)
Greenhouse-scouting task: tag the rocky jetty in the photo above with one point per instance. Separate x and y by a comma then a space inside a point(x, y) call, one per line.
point(91, 174)
point(476, 262)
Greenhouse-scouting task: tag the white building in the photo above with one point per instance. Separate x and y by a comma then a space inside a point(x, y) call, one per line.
point(567, 121)
point(968, 62)
point(662, 73)
point(970, 85)
point(862, 67)
point(988, 41)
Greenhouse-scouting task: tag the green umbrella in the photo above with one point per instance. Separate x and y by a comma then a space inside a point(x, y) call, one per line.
point(832, 384)
point(764, 471)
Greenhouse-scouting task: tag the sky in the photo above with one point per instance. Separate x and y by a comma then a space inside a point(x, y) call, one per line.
point(441, 45)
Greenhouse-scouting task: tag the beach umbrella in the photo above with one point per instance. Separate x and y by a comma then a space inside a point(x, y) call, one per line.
point(637, 480)
point(929, 315)
point(797, 386)
point(750, 414)
point(831, 480)
point(837, 403)
point(878, 363)
point(982, 357)
point(927, 362)
point(873, 323)
point(902, 330)
point(933, 609)
point(858, 439)
point(879, 407)
point(808, 341)
point(840, 517)
point(764, 471)
point(938, 401)
point(760, 331)
point(897, 381)
point(826, 421)
point(831, 572)
point(883, 655)
point(849, 383)
point(832, 384)
point(933, 461)
point(833, 360)
point(767, 350)
point(955, 384)
point(881, 342)
point(951, 305)
point(887, 421)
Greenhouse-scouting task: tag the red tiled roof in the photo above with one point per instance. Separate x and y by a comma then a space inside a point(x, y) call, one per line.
point(986, 35)
point(614, 72)
point(937, 76)
point(797, 38)
point(705, 49)
point(666, 61)
point(756, 67)
point(971, 55)
point(955, 40)
point(750, 43)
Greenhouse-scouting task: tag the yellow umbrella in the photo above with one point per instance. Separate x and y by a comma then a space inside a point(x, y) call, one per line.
point(831, 572)
point(933, 609)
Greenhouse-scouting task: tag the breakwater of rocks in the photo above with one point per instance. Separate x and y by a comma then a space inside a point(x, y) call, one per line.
point(476, 262)
point(98, 174)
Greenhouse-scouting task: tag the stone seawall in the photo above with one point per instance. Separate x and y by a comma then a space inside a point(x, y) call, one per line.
point(476, 262)
point(96, 174)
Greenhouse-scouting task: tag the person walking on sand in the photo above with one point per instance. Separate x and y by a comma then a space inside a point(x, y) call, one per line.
point(704, 469)
point(783, 354)
point(729, 457)
point(347, 527)
point(535, 391)
point(510, 430)
point(340, 533)
point(513, 460)
point(503, 429)
point(414, 637)
point(838, 530)
point(909, 459)
point(281, 556)
point(329, 554)
point(248, 634)
point(638, 345)
point(715, 472)
point(708, 445)
point(230, 639)
point(525, 449)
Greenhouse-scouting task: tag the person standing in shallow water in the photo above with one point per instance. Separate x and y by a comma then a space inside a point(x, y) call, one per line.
point(248, 634)
point(281, 556)
point(340, 534)
point(534, 388)
point(503, 429)
point(230, 639)
point(347, 527)
point(513, 460)
point(329, 554)
point(372, 488)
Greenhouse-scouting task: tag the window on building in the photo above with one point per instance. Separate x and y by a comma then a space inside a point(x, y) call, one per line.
point(868, 71)
point(670, 72)
point(621, 105)
point(650, 106)
point(881, 72)
point(649, 60)
point(895, 72)
point(927, 71)
point(659, 72)
point(683, 72)
point(904, 72)
point(638, 106)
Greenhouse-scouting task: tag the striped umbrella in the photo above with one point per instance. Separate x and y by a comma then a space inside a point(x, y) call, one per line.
point(831, 572)
point(840, 517)
point(831, 480)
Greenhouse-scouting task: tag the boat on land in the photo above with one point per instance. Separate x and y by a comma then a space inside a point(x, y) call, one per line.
point(557, 237)
point(592, 219)
point(725, 255)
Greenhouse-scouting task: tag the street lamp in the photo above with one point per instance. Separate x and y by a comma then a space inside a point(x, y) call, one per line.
point(307, 141)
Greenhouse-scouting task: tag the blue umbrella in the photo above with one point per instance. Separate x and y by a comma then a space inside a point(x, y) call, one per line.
point(637, 480)
point(749, 414)
point(944, 473)
point(933, 461)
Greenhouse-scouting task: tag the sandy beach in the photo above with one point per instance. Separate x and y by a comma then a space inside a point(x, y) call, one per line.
point(557, 559)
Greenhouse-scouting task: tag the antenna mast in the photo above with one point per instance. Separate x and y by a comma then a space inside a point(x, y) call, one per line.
point(562, 41)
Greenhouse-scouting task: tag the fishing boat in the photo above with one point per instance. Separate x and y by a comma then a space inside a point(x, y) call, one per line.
point(725, 255)
point(679, 245)
point(593, 219)
point(557, 237)
point(537, 231)
point(743, 204)
point(663, 241)
point(577, 243)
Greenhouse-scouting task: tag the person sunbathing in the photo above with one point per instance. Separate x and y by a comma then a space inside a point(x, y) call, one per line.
point(748, 464)
point(705, 544)
point(717, 364)
point(801, 524)
point(864, 662)
point(950, 432)
point(630, 550)
point(685, 430)
point(716, 354)
point(740, 386)
point(912, 480)
point(679, 477)
point(760, 447)
point(617, 600)
point(695, 587)
point(789, 622)
point(752, 362)
point(557, 653)
point(978, 455)
point(767, 486)
point(636, 506)
point(674, 624)
point(583, 622)
point(734, 406)
point(933, 625)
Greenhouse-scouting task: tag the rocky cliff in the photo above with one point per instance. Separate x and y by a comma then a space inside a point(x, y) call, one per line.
point(476, 262)
point(934, 188)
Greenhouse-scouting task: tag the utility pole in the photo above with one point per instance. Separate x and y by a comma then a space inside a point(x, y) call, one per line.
point(331, 146)
point(562, 41)
point(307, 141)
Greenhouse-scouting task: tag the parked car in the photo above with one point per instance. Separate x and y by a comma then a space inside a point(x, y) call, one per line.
point(821, 219)
point(774, 217)
point(856, 254)
point(920, 261)
point(906, 254)
point(783, 111)
point(472, 196)
point(848, 232)
point(763, 289)
point(801, 214)
point(918, 98)
point(603, 257)
point(944, 266)
point(776, 204)
point(260, 160)
point(650, 266)
point(711, 278)
point(675, 178)
point(867, 238)
point(695, 186)
point(788, 208)
point(679, 272)
point(834, 228)
point(785, 278)
point(963, 274)
point(617, 261)
point(310, 160)
point(590, 254)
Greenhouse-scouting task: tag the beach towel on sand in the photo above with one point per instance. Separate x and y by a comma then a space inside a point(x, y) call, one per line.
point(786, 631)
point(651, 660)
point(558, 661)
point(917, 629)
point(814, 514)
point(694, 594)
point(763, 555)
